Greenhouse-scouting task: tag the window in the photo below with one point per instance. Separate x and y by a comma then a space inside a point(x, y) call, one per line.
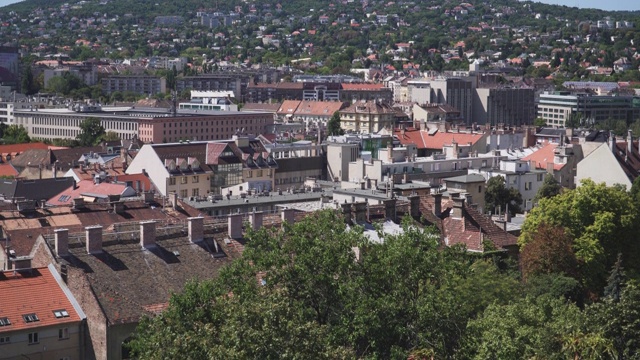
point(33, 338)
point(480, 189)
point(4, 340)
point(249, 173)
point(63, 334)
point(172, 181)
point(540, 178)
point(527, 185)
point(5, 321)
point(183, 180)
point(183, 193)
point(30, 318)
point(195, 192)
point(195, 179)
point(60, 313)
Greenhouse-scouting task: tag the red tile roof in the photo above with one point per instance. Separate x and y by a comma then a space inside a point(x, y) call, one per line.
point(8, 170)
point(33, 291)
point(423, 140)
point(473, 229)
point(362, 87)
point(86, 187)
point(543, 156)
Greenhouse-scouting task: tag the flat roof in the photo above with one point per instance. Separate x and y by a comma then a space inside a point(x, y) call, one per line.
point(272, 198)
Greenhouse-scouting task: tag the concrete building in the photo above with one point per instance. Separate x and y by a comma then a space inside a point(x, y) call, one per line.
point(508, 106)
point(86, 72)
point(148, 125)
point(213, 82)
point(456, 92)
point(138, 84)
point(471, 186)
point(556, 108)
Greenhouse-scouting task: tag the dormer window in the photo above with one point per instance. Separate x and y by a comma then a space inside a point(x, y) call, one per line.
point(29, 318)
point(4, 321)
point(60, 313)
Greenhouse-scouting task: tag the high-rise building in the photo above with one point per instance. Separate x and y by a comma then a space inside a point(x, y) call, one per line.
point(456, 92)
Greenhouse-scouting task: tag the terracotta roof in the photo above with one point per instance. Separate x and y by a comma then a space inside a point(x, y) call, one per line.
point(362, 87)
point(34, 291)
point(184, 150)
point(543, 156)
point(261, 107)
point(34, 157)
point(371, 107)
point(86, 187)
point(289, 107)
point(436, 141)
point(473, 228)
point(7, 170)
point(20, 148)
point(319, 108)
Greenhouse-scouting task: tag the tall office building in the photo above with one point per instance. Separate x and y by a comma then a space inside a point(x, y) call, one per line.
point(456, 92)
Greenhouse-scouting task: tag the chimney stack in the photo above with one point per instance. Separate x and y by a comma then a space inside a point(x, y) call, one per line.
point(256, 219)
point(414, 201)
point(629, 142)
point(390, 209)
point(94, 239)
point(437, 204)
point(62, 242)
point(346, 212)
point(288, 216)
point(612, 142)
point(458, 208)
point(147, 233)
point(360, 209)
point(196, 229)
point(235, 226)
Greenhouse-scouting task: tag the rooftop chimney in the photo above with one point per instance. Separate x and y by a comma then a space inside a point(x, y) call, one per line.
point(235, 226)
point(629, 142)
point(255, 218)
point(94, 239)
point(414, 201)
point(147, 233)
point(612, 142)
point(288, 216)
point(346, 212)
point(360, 209)
point(390, 209)
point(458, 208)
point(62, 242)
point(437, 204)
point(196, 229)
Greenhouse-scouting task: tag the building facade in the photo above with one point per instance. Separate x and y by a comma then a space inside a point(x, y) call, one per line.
point(139, 84)
point(558, 107)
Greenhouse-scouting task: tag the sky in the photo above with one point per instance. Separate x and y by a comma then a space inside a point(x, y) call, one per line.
point(596, 4)
point(7, 2)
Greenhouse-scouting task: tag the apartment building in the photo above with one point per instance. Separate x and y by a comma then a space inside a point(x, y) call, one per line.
point(558, 107)
point(40, 318)
point(139, 84)
point(503, 105)
point(367, 117)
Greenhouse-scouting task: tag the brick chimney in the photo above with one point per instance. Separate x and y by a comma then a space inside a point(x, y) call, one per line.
point(346, 212)
point(147, 233)
point(235, 226)
point(390, 209)
point(457, 211)
point(437, 204)
point(256, 219)
point(94, 239)
point(62, 242)
point(196, 229)
point(360, 211)
point(414, 205)
point(629, 142)
point(288, 216)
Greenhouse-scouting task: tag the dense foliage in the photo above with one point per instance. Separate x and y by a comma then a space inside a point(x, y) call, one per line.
point(318, 289)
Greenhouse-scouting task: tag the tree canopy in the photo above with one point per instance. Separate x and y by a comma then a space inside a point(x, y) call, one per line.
point(91, 132)
point(499, 195)
point(333, 125)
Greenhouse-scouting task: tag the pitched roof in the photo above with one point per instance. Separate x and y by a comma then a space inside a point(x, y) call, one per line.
point(32, 157)
point(370, 107)
point(289, 107)
point(129, 281)
point(434, 141)
point(629, 163)
point(67, 157)
point(362, 87)
point(197, 150)
point(86, 188)
point(543, 156)
point(20, 148)
point(473, 228)
point(319, 108)
point(8, 170)
point(261, 107)
point(35, 291)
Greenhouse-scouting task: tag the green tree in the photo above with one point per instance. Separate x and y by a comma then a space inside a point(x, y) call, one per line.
point(550, 188)
point(333, 125)
point(539, 122)
point(27, 82)
point(529, 328)
point(601, 220)
point(15, 134)
point(91, 132)
point(110, 136)
point(499, 195)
